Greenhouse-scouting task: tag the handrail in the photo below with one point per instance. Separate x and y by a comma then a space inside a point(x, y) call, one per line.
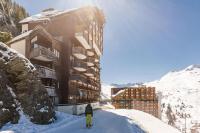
point(78, 50)
point(78, 63)
point(40, 50)
point(78, 77)
point(91, 59)
point(46, 72)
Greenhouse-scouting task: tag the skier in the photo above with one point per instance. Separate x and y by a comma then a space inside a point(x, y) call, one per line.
point(89, 115)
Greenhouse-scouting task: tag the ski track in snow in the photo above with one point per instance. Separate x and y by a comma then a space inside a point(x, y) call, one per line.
point(103, 122)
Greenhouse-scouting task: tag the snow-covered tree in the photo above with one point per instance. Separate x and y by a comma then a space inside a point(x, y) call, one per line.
point(170, 115)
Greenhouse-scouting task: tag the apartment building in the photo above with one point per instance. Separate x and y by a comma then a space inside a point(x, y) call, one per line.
point(140, 98)
point(65, 47)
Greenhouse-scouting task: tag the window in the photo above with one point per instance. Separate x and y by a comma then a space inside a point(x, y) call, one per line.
point(58, 85)
point(56, 52)
point(24, 28)
point(35, 45)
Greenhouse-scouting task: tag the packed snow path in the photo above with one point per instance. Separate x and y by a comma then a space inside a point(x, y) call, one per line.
point(103, 122)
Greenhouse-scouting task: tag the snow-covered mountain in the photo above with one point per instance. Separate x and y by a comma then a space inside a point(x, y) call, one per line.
point(106, 91)
point(181, 90)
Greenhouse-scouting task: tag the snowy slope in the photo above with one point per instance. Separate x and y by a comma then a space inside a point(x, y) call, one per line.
point(106, 91)
point(147, 122)
point(104, 121)
point(181, 89)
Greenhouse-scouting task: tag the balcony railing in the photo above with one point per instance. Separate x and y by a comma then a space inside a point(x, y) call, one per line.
point(97, 49)
point(83, 39)
point(79, 65)
point(42, 53)
point(97, 60)
point(90, 72)
point(90, 61)
point(51, 91)
point(90, 52)
point(97, 65)
point(93, 82)
point(45, 72)
point(78, 77)
point(79, 52)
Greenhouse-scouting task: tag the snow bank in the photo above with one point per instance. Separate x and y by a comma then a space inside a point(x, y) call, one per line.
point(28, 127)
point(146, 121)
point(7, 132)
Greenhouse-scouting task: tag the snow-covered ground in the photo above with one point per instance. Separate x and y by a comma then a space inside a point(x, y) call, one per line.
point(28, 127)
point(104, 121)
point(147, 122)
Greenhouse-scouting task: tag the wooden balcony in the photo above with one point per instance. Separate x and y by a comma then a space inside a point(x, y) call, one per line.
point(97, 60)
point(82, 38)
point(79, 52)
point(97, 49)
point(90, 72)
point(79, 65)
point(43, 54)
point(92, 82)
point(45, 72)
point(90, 52)
point(90, 61)
point(78, 78)
point(97, 65)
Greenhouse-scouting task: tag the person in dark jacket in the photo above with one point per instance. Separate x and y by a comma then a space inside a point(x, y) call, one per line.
point(89, 115)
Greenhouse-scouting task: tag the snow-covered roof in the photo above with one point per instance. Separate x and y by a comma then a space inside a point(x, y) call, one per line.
point(119, 92)
point(23, 35)
point(46, 15)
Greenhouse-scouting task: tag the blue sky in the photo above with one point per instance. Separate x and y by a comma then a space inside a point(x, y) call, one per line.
point(143, 39)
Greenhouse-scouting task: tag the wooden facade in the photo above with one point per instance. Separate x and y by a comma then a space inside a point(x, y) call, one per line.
point(76, 36)
point(139, 98)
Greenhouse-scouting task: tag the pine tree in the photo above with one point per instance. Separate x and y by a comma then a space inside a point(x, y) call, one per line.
point(170, 116)
point(5, 37)
point(11, 14)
